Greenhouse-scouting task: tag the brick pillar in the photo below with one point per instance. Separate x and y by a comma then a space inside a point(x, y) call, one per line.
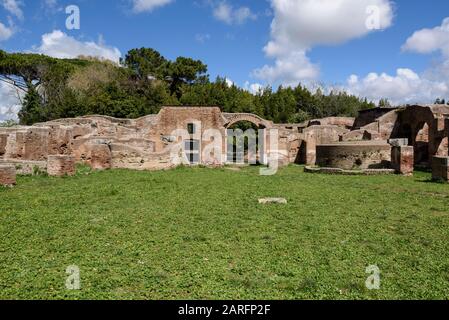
point(3, 142)
point(58, 166)
point(403, 159)
point(7, 175)
point(101, 157)
point(440, 168)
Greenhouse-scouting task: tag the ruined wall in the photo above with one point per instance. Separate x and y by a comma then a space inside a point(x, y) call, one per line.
point(366, 117)
point(3, 141)
point(316, 135)
point(349, 156)
point(342, 122)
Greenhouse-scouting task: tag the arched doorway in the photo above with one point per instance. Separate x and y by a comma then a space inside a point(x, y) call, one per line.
point(244, 122)
point(245, 143)
point(421, 143)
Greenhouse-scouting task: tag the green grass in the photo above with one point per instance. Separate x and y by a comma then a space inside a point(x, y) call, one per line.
point(201, 234)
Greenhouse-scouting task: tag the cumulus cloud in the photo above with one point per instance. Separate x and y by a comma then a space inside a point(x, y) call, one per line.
point(140, 6)
point(226, 13)
point(430, 40)
point(404, 87)
point(59, 45)
point(407, 86)
point(300, 25)
point(229, 82)
point(13, 7)
point(5, 32)
point(9, 102)
point(253, 87)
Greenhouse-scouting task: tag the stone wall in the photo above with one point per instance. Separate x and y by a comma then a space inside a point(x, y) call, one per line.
point(7, 175)
point(402, 159)
point(440, 168)
point(61, 165)
point(315, 135)
point(3, 141)
point(366, 117)
point(349, 156)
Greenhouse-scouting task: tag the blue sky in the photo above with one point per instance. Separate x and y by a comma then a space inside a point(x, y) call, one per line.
point(405, 58)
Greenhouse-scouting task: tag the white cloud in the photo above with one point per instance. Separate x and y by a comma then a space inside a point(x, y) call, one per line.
point(140, 6)
point(404, 87)
point(9, 103)
point(13, 7)
point(230, 15)
point(229, 82)
point(289, 69)
point(59, 45)
point(407, 86)
point(253, 87)
point(300, 25)
point(5, 32)
point(430, 40)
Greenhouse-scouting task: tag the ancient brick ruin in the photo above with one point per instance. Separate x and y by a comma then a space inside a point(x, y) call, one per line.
point(396, 139)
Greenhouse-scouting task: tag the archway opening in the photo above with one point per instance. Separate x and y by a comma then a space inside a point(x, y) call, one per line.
point(246, 143)
point(421, 144)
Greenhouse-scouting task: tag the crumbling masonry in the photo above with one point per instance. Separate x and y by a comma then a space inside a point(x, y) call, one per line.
point(397, 139)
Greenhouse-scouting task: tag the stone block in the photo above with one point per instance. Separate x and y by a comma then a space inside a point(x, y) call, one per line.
point(272, 201)
point(403, 159)
point(440, 168)
point(61, 165)
point(402, 142)
point(7, 175)
point(101, 157)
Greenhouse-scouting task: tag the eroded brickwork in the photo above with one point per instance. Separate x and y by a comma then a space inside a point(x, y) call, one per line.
point(61, 165)
point(7, 175)
point(156, 142)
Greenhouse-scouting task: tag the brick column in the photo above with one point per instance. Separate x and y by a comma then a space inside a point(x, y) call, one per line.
point(7, 175)
point(101, 157)
point(403, 159)
point(61, 165)
point(440, 168)
point(3, 142)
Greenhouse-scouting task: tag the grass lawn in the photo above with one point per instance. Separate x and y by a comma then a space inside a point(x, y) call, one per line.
point(201, 234)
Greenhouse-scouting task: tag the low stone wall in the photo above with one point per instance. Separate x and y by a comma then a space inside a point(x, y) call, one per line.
point(349, 156)
point(403, 159)
point(101, 157)
point(336, 171)
point(59, 166)
point(24, 167)
point(440, 168)
point(7, 175)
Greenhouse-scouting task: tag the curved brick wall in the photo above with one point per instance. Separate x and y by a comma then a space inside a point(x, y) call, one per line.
point(350, 156)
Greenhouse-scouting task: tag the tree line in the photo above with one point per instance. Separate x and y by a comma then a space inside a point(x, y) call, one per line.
point(144, 81)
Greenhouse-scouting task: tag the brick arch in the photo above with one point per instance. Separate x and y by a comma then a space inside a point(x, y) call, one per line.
point(233, 118)
point(419, 124)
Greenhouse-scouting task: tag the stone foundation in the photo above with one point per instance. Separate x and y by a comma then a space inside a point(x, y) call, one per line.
point(403, 159)
point(354, 155)
point(59, 166)
point(101, 157)
point(7, 175)
point(440, 168)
